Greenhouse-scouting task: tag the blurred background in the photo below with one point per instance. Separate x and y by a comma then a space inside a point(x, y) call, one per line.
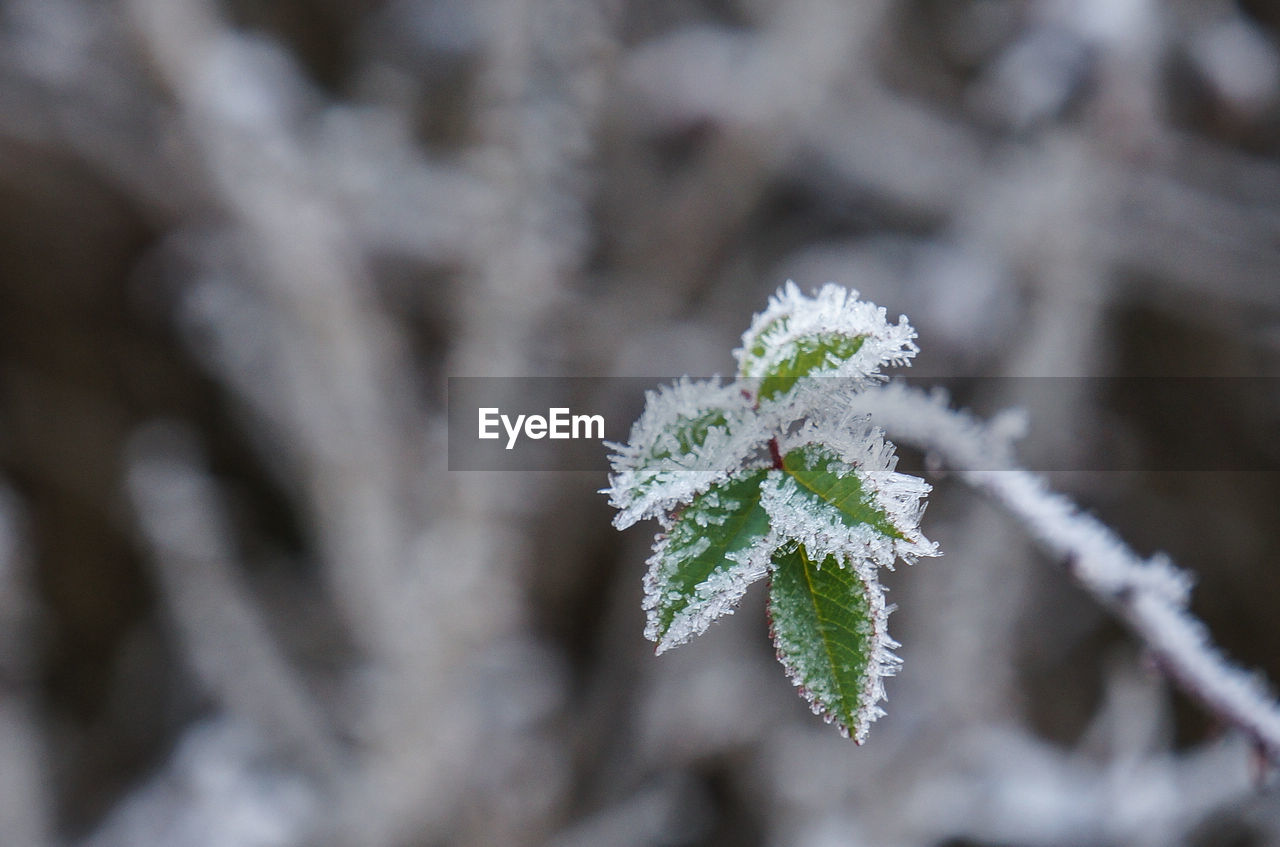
point(244, 603)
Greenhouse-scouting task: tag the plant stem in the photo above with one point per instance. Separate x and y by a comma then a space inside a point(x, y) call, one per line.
point(1149, 595)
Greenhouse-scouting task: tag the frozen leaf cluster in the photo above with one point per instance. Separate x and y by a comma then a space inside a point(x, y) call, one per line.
point(769, 475)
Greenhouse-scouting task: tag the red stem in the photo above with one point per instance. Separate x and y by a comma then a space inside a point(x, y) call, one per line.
point(775, 453)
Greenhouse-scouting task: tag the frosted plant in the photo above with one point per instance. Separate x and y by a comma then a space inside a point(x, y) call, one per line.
point(768, 475)
point(785, 473)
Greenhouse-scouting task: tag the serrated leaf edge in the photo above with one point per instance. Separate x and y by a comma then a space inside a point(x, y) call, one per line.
point(881, 664)
point(863, 452)
point(791, 316)
point(717, 596)
point(642, 486)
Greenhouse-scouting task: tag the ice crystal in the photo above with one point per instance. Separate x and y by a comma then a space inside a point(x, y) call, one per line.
point(857, 449)
point(786, 472)
point(1151, 595)
point(702, 566)
point(690, 437)
point(819, 332)
point(801, 635)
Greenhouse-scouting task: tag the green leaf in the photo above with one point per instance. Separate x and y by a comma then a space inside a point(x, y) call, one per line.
point(699, 570)
point(822, 477)
point(805, 356)
point(825, 632)
point(690, 433)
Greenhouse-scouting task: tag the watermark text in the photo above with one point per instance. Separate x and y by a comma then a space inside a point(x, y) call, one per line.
point(559, 423)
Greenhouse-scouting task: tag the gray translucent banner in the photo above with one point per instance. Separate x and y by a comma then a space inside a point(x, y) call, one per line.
point(1074, 424)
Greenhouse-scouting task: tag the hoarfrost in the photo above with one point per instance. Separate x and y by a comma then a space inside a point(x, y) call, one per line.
point(833, 310)
point(1150, 595)
point(795, 513)
point(689, 438)
point(713, 598)
point(854, 448)
point(684, 465)
point(882, 661)
point(702, 566)
point(693, 436)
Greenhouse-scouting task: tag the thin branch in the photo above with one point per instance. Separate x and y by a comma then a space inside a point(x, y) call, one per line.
point(1148, 595)
point(224, 637)
point(25, 802)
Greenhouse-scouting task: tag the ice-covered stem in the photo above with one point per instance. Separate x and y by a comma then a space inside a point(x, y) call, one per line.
point(1149, 595)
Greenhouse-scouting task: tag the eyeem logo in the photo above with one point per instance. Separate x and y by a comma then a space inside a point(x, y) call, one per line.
point(558, 424)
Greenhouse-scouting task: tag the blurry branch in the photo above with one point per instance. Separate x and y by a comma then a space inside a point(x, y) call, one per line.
point(902, 151)
point(75, 88)
point(994, 782)
point(541, 83)
point(307, 346)
point(985, 786)
point(226, 642)
point(328, 372)
point(1122, 784)
point(1150, 596)
point(1205, 243)
point(25, 808)
point(764, 92)
point(216, 789)
point(298, 196)
point(544, 78)
point(334, 381)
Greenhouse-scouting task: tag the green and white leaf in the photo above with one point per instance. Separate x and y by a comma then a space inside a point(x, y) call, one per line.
point(865, 511)
point(832, 334)
point(700, 569)
point(690, 437)
point(829, 625)
point(809, 355)
point(821, 520)
point(685, 435)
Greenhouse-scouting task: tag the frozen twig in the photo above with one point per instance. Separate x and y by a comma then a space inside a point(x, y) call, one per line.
point(1149, 595)
point(222, 632)
point(334, 396)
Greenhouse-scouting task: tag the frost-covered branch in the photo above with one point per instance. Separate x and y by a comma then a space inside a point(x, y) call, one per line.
point(1149, 595)
point(227, 643)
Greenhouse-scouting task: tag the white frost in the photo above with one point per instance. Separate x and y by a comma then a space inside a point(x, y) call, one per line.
point(882, 661)
point(862, 450)
point(791, 316)
point(1150, 595)
point(693, 436)
point(654, 472)
point(714, 598)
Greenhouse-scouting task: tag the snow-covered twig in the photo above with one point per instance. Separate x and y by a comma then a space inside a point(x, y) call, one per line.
point(224, 635)
point(1149, 595)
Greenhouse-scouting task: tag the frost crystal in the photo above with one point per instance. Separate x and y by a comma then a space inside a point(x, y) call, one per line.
point(785, 472)
point(690, 436)
point(713, 598)
point(794, 324)
point(857, 450)
point(700, 569)
point(843, 683)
